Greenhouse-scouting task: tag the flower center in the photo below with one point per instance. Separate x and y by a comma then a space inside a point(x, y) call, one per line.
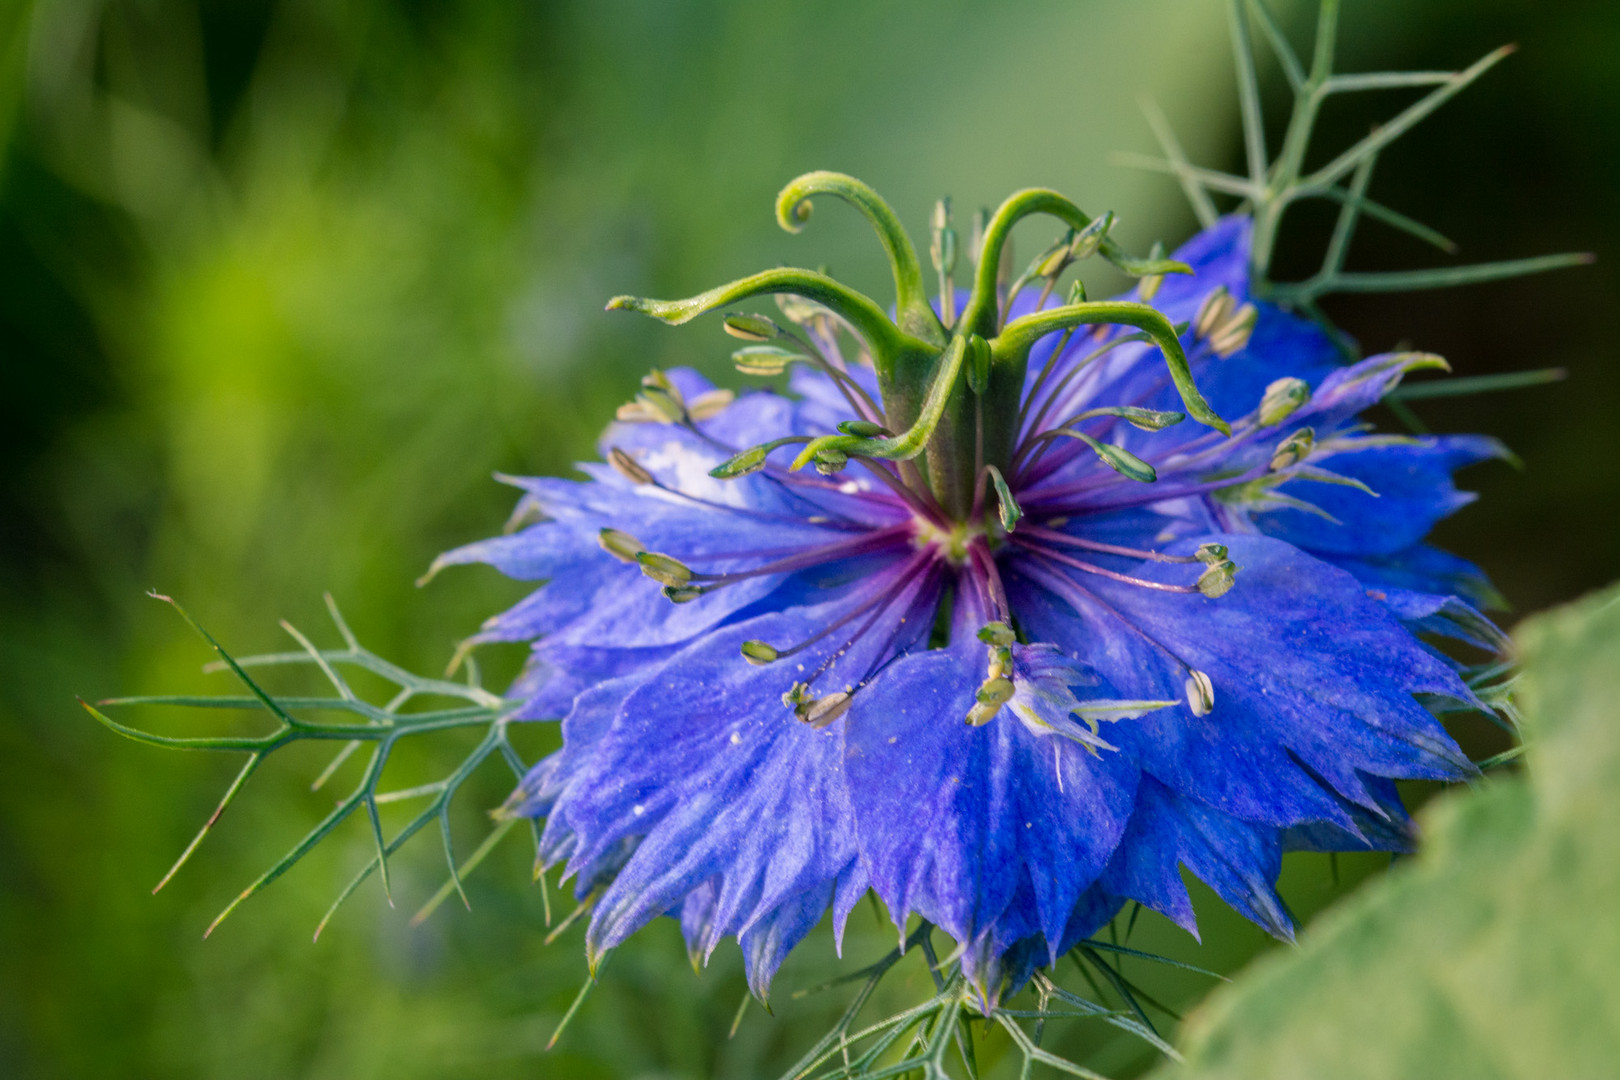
point(952, 542)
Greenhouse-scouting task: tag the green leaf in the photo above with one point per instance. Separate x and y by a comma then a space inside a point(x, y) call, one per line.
point(1493, 953)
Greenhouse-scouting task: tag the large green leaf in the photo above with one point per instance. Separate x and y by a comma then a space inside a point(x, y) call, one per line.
point(1496, 951)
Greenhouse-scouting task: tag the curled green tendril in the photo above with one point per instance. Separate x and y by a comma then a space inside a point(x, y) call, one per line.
point(1015, 341)
point(981, 313)
point(887, 342)
point(916, 316)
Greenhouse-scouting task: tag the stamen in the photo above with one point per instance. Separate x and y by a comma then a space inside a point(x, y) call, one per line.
point(988, 577)
point(1079, 367)
point(1217, 580)
point(822, 711)
point(628, 467)
point(860, 545)
point(1141, 419)
point(819, 712)
point(663, 569)
point(1053, 498)
point(1281, 399)
point(988, 701)
point(621, 545)
point(1055, 537)
point(874, 610)
point(1117, 458)
point(1294, 449)
point(1091, 568)
point(1200, 692)
point(1067, 587)
point(750, 327)
point(761, 653)
point(710, 403)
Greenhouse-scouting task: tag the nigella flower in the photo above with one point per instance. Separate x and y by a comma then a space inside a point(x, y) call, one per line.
point(978, 618)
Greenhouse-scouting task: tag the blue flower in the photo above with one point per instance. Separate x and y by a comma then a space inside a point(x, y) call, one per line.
point(1020, 645)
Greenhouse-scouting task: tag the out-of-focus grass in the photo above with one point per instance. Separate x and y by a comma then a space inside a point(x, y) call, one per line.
point(282, 283)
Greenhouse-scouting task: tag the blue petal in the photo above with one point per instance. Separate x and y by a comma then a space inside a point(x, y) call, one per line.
point(1388, 829)
point(1237, 859)
point(712, 780)
point(1424, 568)
point(1412, 479)
point(950, 816)
point(1303, 663)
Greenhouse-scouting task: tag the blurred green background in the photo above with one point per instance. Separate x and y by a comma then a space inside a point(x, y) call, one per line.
point(282, 282)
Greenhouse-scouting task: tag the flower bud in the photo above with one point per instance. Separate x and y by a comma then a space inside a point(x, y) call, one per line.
point(1077, 292)
point(1200, 693)
point(1281, 399)
point(741, 324)
point(1210, 554)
